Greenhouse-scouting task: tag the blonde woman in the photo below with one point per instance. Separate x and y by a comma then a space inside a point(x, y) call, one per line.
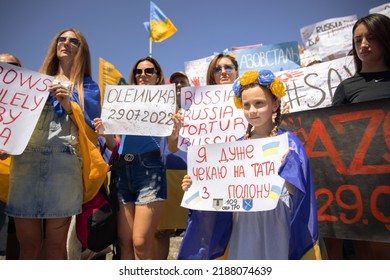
point(46, 180)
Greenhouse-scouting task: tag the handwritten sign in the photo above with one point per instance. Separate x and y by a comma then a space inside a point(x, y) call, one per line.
point(197, 69)
point(209, 116)
point(275, 57)
point(138, 110)
point(382, 9)
point(313, 87)
point(331, 38)
point(237, 176)
point(23, 94)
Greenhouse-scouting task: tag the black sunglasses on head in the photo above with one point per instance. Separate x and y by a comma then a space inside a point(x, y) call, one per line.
point(147, 71)
point(73, 41)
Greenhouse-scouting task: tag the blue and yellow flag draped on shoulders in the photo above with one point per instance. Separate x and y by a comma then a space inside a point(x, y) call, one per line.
point(208, 232)
point(159, 26)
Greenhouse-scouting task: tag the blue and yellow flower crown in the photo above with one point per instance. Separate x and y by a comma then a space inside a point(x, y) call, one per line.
point(264, 78)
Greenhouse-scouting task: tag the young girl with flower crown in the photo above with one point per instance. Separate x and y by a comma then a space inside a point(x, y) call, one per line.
point(290, 231)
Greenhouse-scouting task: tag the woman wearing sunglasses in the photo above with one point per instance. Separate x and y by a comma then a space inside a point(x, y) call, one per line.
point(139, 178)
point(223, 69)
point(46, 180)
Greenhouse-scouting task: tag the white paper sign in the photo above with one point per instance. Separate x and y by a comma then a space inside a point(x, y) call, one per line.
point(382, 9)
point(331, 38)
point(313, 87)
point(23, 94)
point(238, 176)
point(138, 110)
point(210, 116)
point(196, 70)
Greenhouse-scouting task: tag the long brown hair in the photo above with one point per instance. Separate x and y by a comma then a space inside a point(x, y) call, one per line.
point(160, 73)
point(379, 26)
point(81, 66)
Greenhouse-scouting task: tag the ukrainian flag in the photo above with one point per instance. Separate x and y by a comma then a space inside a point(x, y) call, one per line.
point(275, 192)
point(271, 148)
point(160, 27)
point(108, 75)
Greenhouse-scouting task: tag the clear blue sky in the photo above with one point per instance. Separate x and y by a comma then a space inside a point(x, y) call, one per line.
point(114, 28)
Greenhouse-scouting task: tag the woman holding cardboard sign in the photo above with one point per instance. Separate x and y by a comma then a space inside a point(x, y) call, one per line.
point(47, 180)
point(138, 173)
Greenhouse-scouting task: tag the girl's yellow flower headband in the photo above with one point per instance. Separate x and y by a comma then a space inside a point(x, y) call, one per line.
point(264, 78)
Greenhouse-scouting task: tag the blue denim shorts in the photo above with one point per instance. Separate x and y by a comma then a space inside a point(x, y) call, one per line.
point(140, 182)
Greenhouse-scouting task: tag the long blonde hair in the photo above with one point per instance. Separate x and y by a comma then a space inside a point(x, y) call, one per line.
point(81, 65)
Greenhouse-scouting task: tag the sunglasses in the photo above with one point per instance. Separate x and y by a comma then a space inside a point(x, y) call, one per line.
point(228, 68)
point(146, 71)
point(73, 41)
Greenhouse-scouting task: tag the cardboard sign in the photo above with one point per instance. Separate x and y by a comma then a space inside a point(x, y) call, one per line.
point(138, 110)
point(237, 176)
point(313, 87)
point(329, 39)
point(23, 94)
point(210, 116)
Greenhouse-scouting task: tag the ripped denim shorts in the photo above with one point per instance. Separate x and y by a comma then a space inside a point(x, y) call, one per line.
point(141, 181)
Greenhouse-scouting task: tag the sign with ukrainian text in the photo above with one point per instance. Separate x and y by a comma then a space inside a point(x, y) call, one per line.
point(23, 94)
point(237, 176)
point(138, 110)
point(313, 87)
point(275, 57)
point(210, 116)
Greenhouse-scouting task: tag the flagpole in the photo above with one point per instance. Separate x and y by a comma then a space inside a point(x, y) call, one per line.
point(150, 48)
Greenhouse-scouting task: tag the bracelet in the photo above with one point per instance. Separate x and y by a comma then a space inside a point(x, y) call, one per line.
point(70, 112)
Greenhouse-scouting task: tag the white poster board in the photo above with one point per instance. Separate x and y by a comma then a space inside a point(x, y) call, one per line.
point(23, 94)
point(236, 176)
point(382, 9)
point(329, 39)
point(313, 87)
point(138, 110)
point(210, 116)
point(196, 70)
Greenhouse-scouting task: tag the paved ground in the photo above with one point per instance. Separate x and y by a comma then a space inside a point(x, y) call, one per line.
point(174, 248)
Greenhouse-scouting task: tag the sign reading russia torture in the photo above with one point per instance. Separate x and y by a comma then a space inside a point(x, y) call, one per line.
point(210, 116)
point(23, 94)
